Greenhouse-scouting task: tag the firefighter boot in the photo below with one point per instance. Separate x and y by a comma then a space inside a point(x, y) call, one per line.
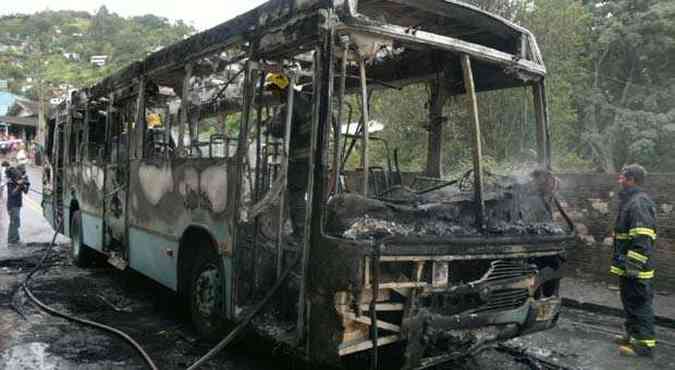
point(634, 350)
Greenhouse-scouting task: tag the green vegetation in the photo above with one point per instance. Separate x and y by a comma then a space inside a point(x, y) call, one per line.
point(611, 83)
point(55, 47)
point(611, 92)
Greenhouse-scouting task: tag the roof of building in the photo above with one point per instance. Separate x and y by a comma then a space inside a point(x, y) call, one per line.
point(7, 99)
point(16, 105)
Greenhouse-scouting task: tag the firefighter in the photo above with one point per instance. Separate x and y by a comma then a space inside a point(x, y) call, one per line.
point(633, 262)
point(300, 142)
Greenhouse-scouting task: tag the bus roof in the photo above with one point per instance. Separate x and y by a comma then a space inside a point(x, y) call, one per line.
point(507, 54)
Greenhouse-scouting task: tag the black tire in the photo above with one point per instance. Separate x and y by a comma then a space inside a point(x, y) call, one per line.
point(205, 295)
point(81, 255)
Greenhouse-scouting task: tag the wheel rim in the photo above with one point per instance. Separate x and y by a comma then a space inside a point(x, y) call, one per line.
point(206, 292)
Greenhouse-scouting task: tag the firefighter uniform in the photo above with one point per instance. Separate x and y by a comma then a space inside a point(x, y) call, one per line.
point(633, 262)
point(298, 161)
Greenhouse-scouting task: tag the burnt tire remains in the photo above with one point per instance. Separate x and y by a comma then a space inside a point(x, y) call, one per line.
point(205, 295)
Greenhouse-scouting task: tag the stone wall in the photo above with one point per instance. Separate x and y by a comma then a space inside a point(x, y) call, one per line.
point(591, 202)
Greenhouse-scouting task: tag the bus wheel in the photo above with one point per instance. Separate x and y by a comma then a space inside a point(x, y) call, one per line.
point(81, 254)
point(206, 295)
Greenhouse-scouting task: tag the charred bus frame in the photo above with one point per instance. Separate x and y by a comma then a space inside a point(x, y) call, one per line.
point(212, 227)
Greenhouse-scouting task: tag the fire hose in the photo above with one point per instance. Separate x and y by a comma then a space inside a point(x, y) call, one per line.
point(25, 285)
point(247, 319)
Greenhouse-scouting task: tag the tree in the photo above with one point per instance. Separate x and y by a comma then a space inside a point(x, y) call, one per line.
point(630, 108)
point(563, 30)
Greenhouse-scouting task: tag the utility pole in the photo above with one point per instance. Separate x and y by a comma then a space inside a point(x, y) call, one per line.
point(42, 119)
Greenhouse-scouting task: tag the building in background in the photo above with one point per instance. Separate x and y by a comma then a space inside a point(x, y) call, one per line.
point(18, 116)
point(99, 60)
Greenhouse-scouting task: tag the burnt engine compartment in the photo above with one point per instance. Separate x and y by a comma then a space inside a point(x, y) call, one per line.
point(512, 208)
point(469, 291)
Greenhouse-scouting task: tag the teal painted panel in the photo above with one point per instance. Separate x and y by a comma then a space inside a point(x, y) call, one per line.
point(147, 255)
point(91, 231)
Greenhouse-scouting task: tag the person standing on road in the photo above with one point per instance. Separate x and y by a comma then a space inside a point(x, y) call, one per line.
point(17, 185)
point(633, 262)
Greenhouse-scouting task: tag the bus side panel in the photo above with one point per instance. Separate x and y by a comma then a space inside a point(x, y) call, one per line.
point(154, 256)
point(91, 230)
point(166, 198)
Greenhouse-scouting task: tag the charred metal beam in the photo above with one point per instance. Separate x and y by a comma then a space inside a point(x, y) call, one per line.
point(467, 13)
point(301, 332)
point(337, 153)
point(472, 103)
point(417, 66)
point(375, 286)
point(476, 51)
point(284, 177)
point(479, 247)
point(540, 114)
point(366, 120)
point(185, 105)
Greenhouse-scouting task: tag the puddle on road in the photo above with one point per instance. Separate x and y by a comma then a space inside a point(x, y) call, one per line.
point(33, 356)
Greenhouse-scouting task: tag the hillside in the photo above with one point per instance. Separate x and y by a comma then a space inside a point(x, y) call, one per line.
point(57, 47)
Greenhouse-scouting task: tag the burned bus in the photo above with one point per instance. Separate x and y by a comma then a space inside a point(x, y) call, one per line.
point(170, 167)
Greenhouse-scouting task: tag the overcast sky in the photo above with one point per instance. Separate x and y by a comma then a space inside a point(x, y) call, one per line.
point(202, 14)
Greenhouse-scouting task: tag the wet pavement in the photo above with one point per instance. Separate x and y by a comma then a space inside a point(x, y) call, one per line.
point(32, 339)
point(600, 293)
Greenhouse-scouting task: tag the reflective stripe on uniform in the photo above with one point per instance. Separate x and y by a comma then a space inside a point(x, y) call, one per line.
point(622, 236)
point(637, 256)
point(617, 270)
point(642, 231)
point(621, 272)
point(644, 342)
point(646, 275)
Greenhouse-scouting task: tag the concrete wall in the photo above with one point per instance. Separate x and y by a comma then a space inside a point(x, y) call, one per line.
point(591, 202)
